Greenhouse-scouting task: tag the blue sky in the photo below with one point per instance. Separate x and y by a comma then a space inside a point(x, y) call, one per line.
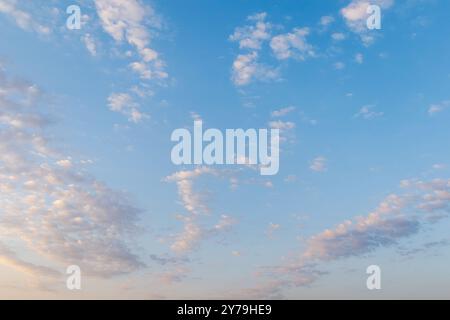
point(86, 176)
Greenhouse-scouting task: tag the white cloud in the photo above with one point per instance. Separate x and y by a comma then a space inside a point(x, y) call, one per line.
point(125, 104)
point(439, 166)
point(355, 15)
point(359, 58)
point(22, 18)
point(397, 217)
point(326, 20)
point(282, 112)
point(387, 224)
point(272, 228)
point(129, 21)
point(355, 237)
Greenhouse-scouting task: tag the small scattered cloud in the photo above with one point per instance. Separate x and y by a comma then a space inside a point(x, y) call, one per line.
point(355, 15)
point(319, 164)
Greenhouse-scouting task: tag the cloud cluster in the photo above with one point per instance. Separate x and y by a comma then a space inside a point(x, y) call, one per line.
point(246, 66)
point(134, 23)
point(49, 204)
point(382, 227)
